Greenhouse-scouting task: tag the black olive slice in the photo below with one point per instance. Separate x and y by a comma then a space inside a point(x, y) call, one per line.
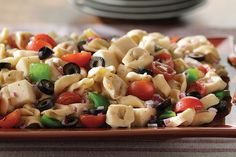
point(166, 103)
point(221, 106)
point(194, 94)
point(46, 87)
point(71, 68)
point(5, 65)
point(96, 111)
point(45, 53)
point(96, 62)
point(143, 71)
point(199, 57)
point(70, 121)
point(45, 104)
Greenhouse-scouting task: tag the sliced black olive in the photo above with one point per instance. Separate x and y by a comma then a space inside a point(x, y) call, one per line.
point(33, 126)
point(199, 57)
point(44, 53)
point(142, 71)
point(46, 87)
point(194, 94)
point(80, 45)
point(5, 65)
point(165, 104)
point(96, 111)
point(96, 62)
point(70, 121)
point(71, 68)
point(222, 106)
point(45, 104)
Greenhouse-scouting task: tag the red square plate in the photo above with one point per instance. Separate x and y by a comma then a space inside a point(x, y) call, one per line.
point(227, 128)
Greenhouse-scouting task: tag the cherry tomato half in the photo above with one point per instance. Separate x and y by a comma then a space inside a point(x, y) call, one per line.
point(92, 121)
point(36, 45)
point(164, 57)
point(10, 120)
point(160, 68)
point(46, 38)
point(82, 59)
point(68, 98)
point(188, 102)
point(142, 89)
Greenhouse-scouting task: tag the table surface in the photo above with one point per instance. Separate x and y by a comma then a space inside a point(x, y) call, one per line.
point(50, 15)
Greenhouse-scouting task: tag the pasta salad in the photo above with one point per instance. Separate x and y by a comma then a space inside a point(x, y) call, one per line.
point(139, 79)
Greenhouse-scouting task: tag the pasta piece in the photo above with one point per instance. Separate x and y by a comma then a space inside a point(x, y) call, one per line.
point(180, 65)
point(213, 82)
point(204, 117)
point(10, 76)
point(81, 86)
point(114, 86)
point(133, 76)
point(209, 51)
point(142, 116)
point(3, 53)
point(24, 53)
point(209, 101)
point(88, 34)
point(29, 115)
point(11, 60)
point(65, 81)
point(174, 95)
point(19, 39)
point(65, 48)
point(109, 57)
point(131, 100)
point(24, 64)
point(4, 35)
point(119, 115)
point(137, 58)
point(5, 105)
point(121, 46)
point(98, 73)
point(96, 44)
point(60, 113)
point(137, 35)
point(151, 41)
point(79, 108)
point(186, 117)
point(161, 85)
point(122, 71)
point(56, 66)
point(181, 78)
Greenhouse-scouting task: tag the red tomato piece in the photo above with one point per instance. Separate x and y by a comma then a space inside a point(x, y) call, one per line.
point(82, 59)
point(46, 38)
point(92, 121)
point(188, 102)
point(160, 68)
point(202, 69)
point(11, 120)
point(199, 87)
point(36, 45)
point(67, 98)
point(164, 57)
point(142, 89)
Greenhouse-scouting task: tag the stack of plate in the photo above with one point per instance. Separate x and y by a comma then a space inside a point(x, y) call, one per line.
point(137, 9)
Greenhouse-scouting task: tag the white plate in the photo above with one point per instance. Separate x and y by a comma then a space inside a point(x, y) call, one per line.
point(141, 16)
point(137, 2)
point(178, 6)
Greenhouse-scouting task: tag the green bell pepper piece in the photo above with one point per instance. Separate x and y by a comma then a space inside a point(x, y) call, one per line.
point(39, 71)
point(222, 94)
point(192, 74)
point(167, 114)
point(98, 100)
point(50, 122)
